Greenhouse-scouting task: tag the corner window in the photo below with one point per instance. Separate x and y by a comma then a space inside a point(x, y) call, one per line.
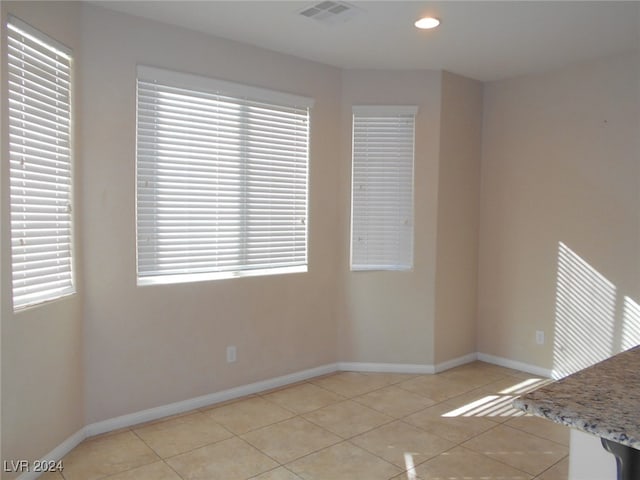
point(382, 188)
point(221, 179)
point(40, 171)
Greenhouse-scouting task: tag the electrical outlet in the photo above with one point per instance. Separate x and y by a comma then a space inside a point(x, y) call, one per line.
point(231, 354)
point(539, 337)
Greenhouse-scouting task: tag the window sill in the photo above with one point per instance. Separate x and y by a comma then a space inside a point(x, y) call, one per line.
point(209, 276)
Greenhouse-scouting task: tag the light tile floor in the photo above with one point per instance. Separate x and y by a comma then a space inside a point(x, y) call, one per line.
point(347, 426)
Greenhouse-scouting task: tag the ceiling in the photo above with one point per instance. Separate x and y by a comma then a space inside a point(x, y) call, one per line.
point(482, 40)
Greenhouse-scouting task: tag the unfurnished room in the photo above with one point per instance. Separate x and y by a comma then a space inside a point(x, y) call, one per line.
point(291, 240)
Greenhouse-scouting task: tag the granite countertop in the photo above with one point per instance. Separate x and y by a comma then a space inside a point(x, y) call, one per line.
point(603, 399)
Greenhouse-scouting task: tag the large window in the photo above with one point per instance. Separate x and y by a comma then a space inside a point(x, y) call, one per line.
point(382, 188)
point(221, 179)
point(39, 73)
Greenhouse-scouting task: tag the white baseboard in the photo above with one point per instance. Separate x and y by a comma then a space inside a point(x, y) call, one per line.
point(57, 453)
point(257, 387)
point(415, 368)
point(385, 367)
point(505, 362)
point(455, 362)
point(204, 400)
point(443, 366)
point(176, 408)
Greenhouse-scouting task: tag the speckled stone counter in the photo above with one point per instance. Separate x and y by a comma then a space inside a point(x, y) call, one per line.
point(602, 400)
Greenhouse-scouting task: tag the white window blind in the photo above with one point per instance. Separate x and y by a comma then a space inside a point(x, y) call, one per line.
point(221, 178)
point(382, 188)
point(39, 74)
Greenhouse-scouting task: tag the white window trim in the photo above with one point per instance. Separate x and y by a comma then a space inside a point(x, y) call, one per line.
point(383, 111)
point(200, 84)
point(214, 85)
point(25, 301)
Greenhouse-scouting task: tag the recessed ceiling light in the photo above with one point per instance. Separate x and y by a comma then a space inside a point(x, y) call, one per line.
point(426, 23)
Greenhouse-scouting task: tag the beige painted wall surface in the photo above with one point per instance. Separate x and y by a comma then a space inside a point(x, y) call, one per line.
point(387, 317)
point(458, 217)
point(559, 224)
point(42, 370)
point(559, 228)
point(162, 344)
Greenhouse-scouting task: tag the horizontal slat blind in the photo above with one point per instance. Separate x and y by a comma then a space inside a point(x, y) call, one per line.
point(222, 181)
point(39, 73)
point(382, 188)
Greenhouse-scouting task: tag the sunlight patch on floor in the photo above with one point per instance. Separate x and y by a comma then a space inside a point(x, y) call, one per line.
point(498, 404)
point(410, 466)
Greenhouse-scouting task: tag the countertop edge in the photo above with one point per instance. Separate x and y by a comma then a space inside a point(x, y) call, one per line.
point(601, 400)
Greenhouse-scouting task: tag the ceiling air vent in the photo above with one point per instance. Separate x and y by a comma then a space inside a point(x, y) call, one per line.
point(330, 12)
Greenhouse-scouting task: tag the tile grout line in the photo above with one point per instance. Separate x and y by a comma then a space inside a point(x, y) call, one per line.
point(506, 424)
point(130, 429)
point(551, 466)
point(342, 439)
point(349, 439)
point(164, 459)
point(496, 459)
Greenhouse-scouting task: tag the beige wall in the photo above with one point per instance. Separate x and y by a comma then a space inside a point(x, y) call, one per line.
point(560, 163)
point(388, 317)
point(153, 345)
point(42, 368)
point(458, 218)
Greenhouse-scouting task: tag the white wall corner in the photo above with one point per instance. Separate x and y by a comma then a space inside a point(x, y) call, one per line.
point(455, 362)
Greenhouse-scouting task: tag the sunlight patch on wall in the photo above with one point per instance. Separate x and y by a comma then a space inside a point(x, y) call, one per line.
point(630, 324)
point(585, 315)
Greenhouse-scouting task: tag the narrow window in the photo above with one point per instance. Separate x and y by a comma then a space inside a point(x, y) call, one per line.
point(39, 73)
point(382, 188)
point(221, 179)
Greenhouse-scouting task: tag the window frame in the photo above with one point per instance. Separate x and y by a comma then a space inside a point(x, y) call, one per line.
point(56, 53)
point(388, 114)
point(201, 85)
